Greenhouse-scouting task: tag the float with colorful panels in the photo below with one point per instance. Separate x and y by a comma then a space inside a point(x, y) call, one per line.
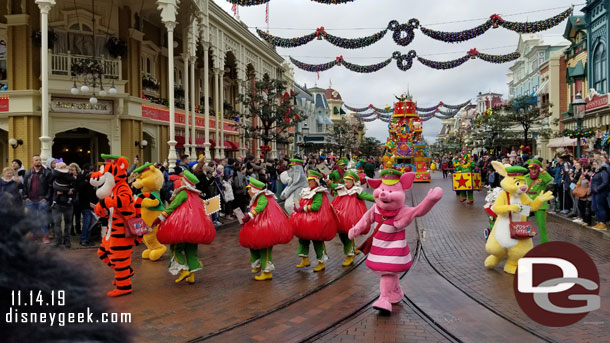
point(405, 148)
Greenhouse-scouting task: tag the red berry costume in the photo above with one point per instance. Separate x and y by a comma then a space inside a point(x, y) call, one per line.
point(314, 220)
point(184, 224)
point(264, 226)
point(117, 204)
point(350, 207)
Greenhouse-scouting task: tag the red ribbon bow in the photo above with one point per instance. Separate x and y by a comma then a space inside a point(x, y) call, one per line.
point(496, 20)
point(473, 53)
point(440, 103)
point(370, 105)
point(339, 59)
point(320, 31)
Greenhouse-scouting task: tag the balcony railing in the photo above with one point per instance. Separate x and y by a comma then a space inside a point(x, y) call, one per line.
point(61, 64)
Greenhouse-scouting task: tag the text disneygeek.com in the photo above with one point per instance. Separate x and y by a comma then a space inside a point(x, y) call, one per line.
point(25, 309)
point(16, 316)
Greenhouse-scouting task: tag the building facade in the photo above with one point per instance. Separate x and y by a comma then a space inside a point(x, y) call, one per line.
point(592, 55)
point(171, 72)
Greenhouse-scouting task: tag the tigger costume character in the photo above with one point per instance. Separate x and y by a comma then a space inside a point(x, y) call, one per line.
point(116, 203)
point(149, 181)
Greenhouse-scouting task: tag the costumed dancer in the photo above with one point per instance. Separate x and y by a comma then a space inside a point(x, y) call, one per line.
point(184, 224)
point(537, 180)
point(467, 166)
point(502, 242)
point(350, 207)
point(295, 180)
point(389, 252)
point(116, 203)
point(336, 176)
point(149, 180)
point(264, 226)
point(313, 220)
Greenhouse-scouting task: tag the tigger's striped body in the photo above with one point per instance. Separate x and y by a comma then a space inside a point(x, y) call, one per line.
point(116, 203)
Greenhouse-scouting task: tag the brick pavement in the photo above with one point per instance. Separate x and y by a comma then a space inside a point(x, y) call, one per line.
point(455, 245)
point(224, 293)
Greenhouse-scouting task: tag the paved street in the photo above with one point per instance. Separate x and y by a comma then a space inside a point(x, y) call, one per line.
point(450, 296)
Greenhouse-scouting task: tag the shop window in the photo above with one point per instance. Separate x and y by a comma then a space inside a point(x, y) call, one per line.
point(599, 68)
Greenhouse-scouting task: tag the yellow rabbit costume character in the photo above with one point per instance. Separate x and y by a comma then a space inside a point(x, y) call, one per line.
point(510, 203)
point(149, 181)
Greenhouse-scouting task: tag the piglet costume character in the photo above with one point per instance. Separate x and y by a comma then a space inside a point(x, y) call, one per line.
point(390, 255)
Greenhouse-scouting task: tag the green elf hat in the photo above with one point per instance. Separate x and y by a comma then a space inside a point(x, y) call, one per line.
point(350, 174)
point(111, 158)
point(296, 162)
point(516, 171)
point(143, 168)
point(532, 161)
point(190, 177)
point(390, 176)
point(255, 184)
point(314, 175)
point(342, 162)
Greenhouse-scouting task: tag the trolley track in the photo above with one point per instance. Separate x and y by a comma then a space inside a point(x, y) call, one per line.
point(278, 308)
point(409, 304)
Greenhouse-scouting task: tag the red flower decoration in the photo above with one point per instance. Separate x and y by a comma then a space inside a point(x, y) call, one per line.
point(473, 53)
point(339, 59)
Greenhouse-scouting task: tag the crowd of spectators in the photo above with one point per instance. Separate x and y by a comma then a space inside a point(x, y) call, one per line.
point(590, 206)
point(60, 199)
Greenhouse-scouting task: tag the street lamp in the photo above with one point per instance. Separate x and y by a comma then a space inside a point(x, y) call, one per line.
point(305, 133)
point(579, 107)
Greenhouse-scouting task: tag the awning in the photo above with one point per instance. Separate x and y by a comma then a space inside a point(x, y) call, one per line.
point(230, 145)
point(199, 141)
point(563, 142)
point(329, 122)
point(577, 70)
point(335, 110)
point(543, 89)
point(212, 143)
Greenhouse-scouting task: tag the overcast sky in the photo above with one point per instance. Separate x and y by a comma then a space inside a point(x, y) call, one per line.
point(292, 18)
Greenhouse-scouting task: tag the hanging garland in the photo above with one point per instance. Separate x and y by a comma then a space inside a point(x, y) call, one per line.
point(313, 67)
point(579, 133)
point(353, 43)
point(400, 58)
point(455, 37)
point(285, 42)
point(365, 69)
point(357, 109)
point(498, 58)
point(368, 120)
point(455, 107)
point(421, 111)
point(537, 26)
point(403, 34)
point(333, 2)
point(427, 109)
point(381, 110)
point(346, 43)
point(248, 2)
point(443, 65)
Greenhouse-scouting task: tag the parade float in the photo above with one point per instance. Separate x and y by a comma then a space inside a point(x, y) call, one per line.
point(405, 148)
